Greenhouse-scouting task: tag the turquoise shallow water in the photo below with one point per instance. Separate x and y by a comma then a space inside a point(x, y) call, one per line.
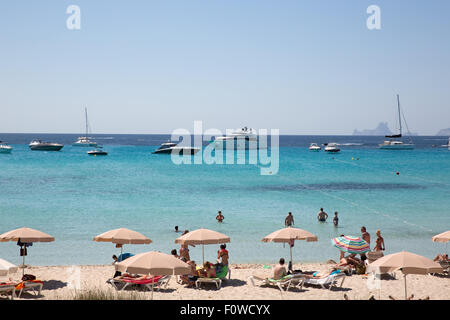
point(74, 197)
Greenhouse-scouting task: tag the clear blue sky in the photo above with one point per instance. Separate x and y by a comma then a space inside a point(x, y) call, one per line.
point(305, 67)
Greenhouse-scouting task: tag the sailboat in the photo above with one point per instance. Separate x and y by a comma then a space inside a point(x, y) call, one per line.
point(395, 142)
point(84, 141)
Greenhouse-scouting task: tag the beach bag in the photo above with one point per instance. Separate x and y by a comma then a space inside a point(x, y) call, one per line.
point(361, 269)
point(28, 277)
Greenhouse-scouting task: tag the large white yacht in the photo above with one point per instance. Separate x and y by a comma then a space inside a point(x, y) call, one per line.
point(241, 139)
point(395, 142)
point(84, 141)
point(5, 148)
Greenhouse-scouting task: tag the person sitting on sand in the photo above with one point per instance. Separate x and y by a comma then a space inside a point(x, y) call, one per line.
point(350, 260)
point(208, 270)
point(192, 276)
point(441, 258)
point(280, 270)
point(322, 215)
point(222, 255)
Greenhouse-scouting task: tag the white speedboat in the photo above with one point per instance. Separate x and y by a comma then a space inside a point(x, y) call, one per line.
point(5, 148)
point(332, 147)
point(395, 142)
point(242, 139)
point(171, 147)
point(314, 147)
point(38, 145)
point(84, 141)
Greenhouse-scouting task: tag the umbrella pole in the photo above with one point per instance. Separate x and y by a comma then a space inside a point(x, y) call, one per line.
point(23, 265)
point(406, 295)
point(292, 263)
point(203, 253)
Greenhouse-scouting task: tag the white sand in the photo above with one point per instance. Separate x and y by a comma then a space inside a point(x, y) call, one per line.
point(59, 282)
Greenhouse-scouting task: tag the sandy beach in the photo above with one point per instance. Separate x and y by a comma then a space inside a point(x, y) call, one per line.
point(60, 283)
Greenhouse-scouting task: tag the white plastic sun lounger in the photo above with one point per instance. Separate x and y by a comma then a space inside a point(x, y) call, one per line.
point(280, 283)
point(163, 281)
point(329, 281)
point(5, 288)
point(29, 285)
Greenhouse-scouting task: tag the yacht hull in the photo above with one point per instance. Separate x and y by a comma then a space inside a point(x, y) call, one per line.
point(178, 150)
point(5, 150)
point(397, 147)
point(46, 148)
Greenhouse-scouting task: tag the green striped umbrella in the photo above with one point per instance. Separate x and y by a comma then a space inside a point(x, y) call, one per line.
point(351, 244)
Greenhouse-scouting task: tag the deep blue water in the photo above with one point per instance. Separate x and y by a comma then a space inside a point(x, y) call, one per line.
point(75, 197)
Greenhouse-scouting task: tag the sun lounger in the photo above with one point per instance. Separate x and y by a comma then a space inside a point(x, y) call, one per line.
point(217, 280)
point(280, 283)
point(330, 281)
point(32, 285)
point(8, 287)
point(155, 282)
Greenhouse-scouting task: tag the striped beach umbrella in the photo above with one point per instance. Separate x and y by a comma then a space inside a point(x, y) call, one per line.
point(351, 244)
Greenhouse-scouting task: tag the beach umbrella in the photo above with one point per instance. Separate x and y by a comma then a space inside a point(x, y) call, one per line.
point(6, 267)
point(25, 237)
point(351, 244)
point(442, 237)
point(203, 236)
point(155, 264)
point(289, 235)
point(406, 262)
point(122, 236)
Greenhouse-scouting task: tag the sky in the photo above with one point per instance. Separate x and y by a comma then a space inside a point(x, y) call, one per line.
point(303, 67)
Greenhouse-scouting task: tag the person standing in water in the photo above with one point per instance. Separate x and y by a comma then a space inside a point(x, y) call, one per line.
point(322, 215)
point(379, 245)
point(289, 221)
point(220, 217)
point(335, 219)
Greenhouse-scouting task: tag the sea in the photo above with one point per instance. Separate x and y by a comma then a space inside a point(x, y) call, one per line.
point(74, 197)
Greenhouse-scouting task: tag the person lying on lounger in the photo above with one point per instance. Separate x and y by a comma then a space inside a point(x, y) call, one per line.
point(134, 276)
point(322, 275)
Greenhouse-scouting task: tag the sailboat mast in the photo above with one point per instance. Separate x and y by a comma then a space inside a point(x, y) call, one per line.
point(85, 113)
point(399, 116)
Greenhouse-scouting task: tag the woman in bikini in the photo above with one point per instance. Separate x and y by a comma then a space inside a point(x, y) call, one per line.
point(379, 245)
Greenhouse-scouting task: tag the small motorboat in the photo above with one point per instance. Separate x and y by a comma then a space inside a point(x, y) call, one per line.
point(5, 148)
point(97, 152)
point(332, 147)
point(170, 147)
point(38, 145)
point(314, 147)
